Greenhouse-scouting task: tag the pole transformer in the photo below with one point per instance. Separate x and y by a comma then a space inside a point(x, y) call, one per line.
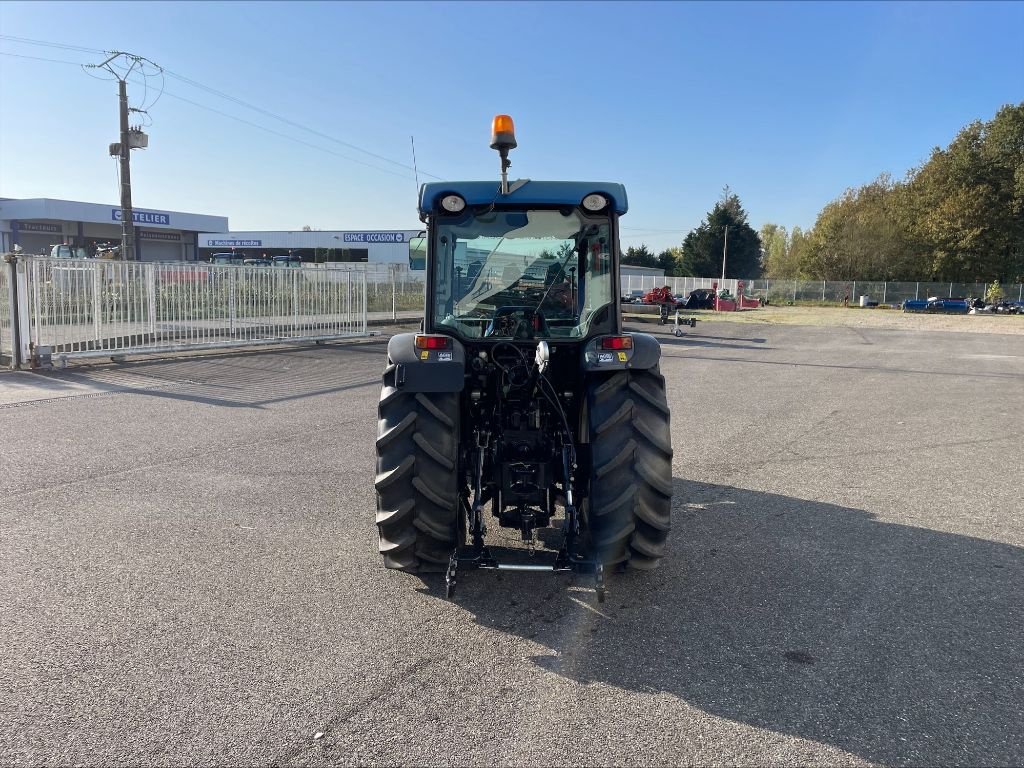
point(130, 138)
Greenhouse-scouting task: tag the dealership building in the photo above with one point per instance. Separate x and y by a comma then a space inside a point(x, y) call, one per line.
point(37, 224)
point(367, 247)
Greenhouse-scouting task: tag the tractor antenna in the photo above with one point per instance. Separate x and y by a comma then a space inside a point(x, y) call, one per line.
point(415, 170)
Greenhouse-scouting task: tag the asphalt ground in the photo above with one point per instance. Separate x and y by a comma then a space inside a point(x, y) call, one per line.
point(189, 574)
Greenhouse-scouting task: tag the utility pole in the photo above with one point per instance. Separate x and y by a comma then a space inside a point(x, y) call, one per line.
point(127, 216)
point(131, 138)
point(725, 248)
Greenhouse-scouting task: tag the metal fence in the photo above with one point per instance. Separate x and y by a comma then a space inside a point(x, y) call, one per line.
point(633, 284)
point(391, 289)
point(87, 308)
point(892, 293)
point(782, 291)
point(6, 314)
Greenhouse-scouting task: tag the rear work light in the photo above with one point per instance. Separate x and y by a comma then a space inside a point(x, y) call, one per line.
point(433, 342)
point(617, 342)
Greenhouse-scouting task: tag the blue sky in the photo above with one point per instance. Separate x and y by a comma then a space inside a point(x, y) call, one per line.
point(787, 103)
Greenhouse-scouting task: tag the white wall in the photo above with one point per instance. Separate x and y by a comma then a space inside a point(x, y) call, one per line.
point(378, 252)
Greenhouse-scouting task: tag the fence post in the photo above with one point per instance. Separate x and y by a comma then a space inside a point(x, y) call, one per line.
point(917, 291)
point(348, 292)
point(854, 293)
point(15, 312)
point(1020, 291)
point(25, 334)
point(97, 304)
point(822, 291)
point(295, 301)
point(951, 290)
point(363, 313)
point(885, 286)
point(394, 291)
point(151, 295)
point(232, 301)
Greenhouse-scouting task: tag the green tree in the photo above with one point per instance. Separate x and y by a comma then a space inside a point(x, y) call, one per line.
point(860, 236)
point(799, 251)
point(669, 261)
point(780, 261)
point(958, 217)
point(703, 247)
point(639, 256)
point(969, 199)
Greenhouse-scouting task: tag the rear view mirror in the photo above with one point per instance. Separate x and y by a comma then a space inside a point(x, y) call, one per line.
point(418, 253)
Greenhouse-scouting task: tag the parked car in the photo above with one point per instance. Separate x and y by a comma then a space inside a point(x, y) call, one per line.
point(68, 252)
point(287, 261)
point(980, 307)
point(934, 304)
point(257, 262)
point(699, 298)
point(227, 258)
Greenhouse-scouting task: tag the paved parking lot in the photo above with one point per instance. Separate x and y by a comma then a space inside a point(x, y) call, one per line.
point(189, 576)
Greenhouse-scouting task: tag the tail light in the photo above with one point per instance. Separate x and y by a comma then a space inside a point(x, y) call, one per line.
point(617, 342)
point(433, 342)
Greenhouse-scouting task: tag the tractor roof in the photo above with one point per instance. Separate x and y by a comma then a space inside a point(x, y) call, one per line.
point(530, 193)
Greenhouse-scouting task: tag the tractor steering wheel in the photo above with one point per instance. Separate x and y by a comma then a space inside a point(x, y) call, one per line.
point(517, 323)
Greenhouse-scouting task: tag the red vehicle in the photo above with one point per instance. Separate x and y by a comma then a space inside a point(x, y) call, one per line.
point(663, 298)
point(726, 302)
point(661, 295)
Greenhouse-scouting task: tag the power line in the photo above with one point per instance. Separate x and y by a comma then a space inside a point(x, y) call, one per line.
point(47, 44)
point(292, 123)
point(652, 229)
point(240, 102)
point(231, 117)
point(285, 135)
point(40, 58)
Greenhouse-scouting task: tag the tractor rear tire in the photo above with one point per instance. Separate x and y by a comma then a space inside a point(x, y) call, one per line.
point(417, 474)
point(630, 501)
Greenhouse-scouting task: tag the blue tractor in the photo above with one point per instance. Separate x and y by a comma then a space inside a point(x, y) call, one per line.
point(522, 401)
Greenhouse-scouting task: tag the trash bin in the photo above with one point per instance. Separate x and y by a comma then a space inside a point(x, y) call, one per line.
point(864, 300)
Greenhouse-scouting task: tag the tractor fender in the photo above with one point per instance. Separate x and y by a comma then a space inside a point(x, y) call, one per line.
point(644, 355)
point(426, 370)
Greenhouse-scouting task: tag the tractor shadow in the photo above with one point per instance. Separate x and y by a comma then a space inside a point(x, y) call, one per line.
point(699, 337)
point(694, 341)
point(897, 644)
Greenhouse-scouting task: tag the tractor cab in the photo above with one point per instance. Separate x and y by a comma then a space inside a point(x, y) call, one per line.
point(538, 263)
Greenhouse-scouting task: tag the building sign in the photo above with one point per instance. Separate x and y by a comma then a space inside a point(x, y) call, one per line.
point(234, 243)
point(143, 217)
point(171, 237)
point(374, 237)
point(32, 226)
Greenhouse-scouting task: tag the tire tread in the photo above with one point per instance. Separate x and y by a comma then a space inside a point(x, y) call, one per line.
point(631, 479)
